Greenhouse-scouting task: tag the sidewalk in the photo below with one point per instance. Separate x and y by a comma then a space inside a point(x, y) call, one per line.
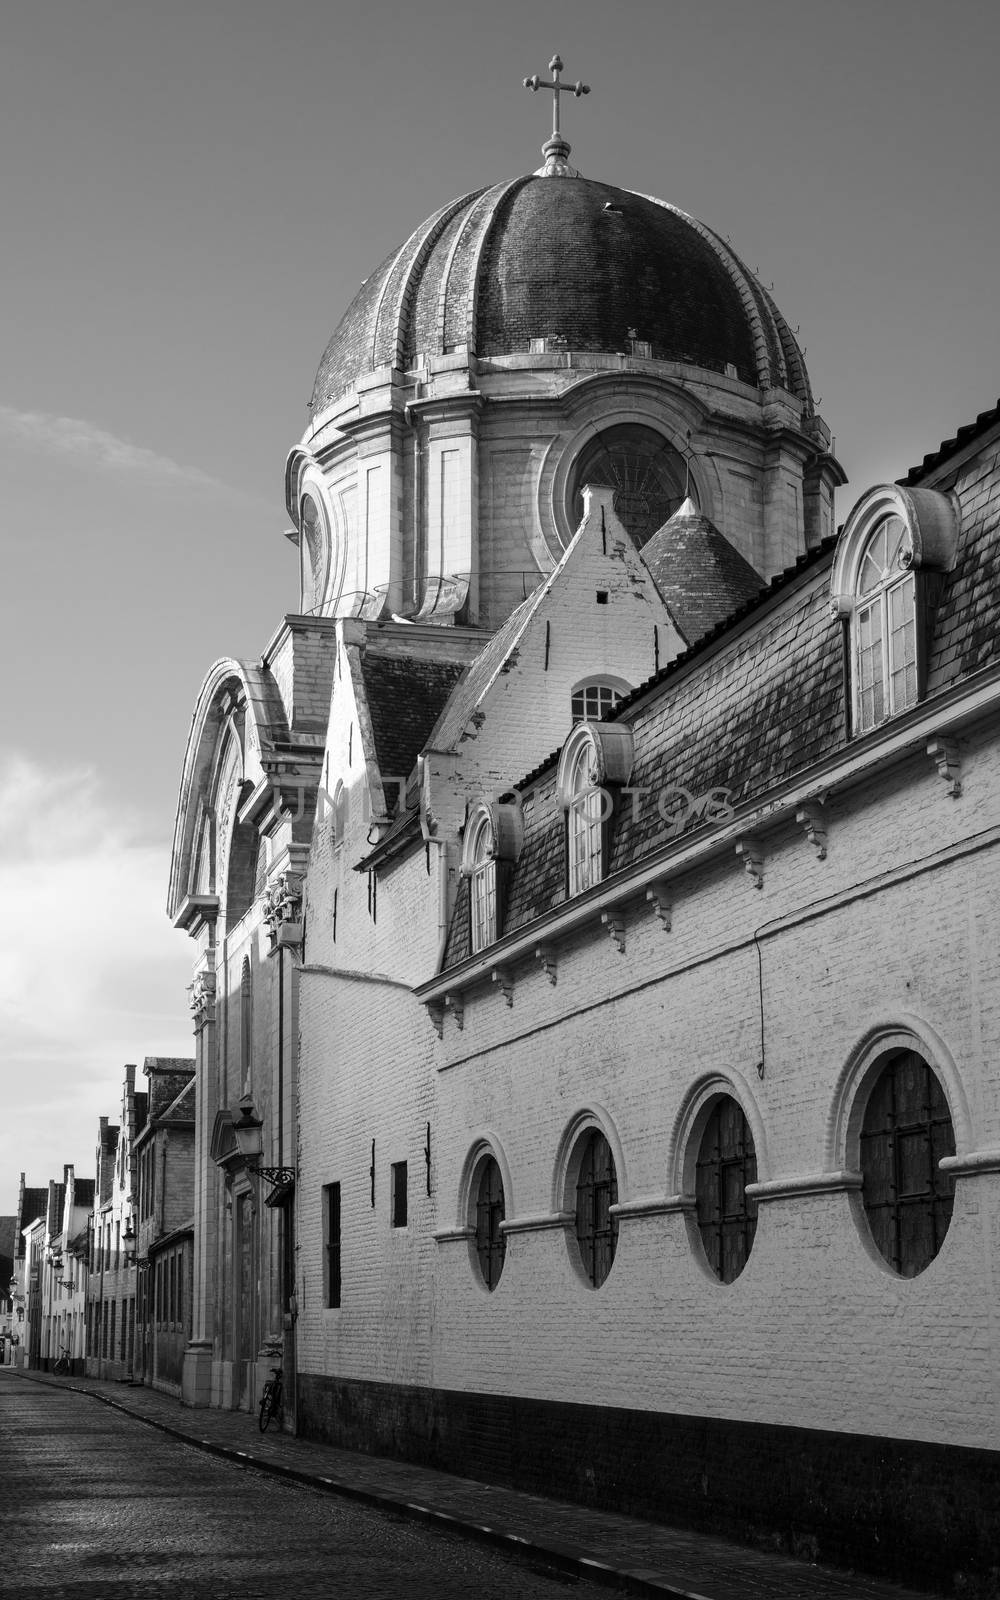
point(621, 1552)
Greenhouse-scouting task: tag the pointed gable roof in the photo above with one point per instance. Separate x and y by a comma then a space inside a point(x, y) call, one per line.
point(702, 577)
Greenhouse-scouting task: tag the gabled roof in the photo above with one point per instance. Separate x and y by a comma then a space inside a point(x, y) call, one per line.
point(31, 1204)
point(456, 715)
point(756, 704)
point(405, 698)
point(702, 577)
point(949, 447)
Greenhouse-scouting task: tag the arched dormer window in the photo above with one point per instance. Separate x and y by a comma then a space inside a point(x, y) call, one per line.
point(893, 548)
point(595, 761)
point(492, 840)
point(595, 697)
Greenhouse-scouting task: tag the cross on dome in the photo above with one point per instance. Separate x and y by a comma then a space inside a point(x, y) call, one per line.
point(556, 149)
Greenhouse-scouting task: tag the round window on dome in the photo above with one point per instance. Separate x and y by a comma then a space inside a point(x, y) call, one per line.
point(646, 473)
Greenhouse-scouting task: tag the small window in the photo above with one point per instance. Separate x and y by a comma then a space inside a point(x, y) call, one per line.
point(727, 1162)
point(593, 701)
point(399, 1194)
point(907, 1129)
point(331, 1221)
point(596, 1193)
point(491, 1243)
point(246, 1021)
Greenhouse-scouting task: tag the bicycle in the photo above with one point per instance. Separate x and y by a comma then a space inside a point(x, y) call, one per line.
point(62, 1366)
point(272, 1400)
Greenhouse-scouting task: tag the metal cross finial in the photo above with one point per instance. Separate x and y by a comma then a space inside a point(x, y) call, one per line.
point(556, 149)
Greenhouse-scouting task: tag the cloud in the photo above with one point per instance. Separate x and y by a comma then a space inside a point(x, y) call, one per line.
point(83, 444)
point(91, 973)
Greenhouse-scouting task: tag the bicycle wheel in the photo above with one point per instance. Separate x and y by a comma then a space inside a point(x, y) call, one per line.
point(266, 1407)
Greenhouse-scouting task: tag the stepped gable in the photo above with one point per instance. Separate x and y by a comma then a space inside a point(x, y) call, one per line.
point(702, 577)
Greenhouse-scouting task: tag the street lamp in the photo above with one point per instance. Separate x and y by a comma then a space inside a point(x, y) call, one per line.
point(128, 1240)
point(248, 1133)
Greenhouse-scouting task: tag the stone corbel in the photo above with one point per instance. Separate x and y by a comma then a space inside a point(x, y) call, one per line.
point(545, 955)
point(435, 1010)
point(505, 983)
point(616, 929)
point(751, 853)
point(456, 1005)
point(661, 899)
point(811, 820)
point(944, 754)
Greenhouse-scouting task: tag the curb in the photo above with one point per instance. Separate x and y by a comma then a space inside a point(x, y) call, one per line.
point(523, 1547)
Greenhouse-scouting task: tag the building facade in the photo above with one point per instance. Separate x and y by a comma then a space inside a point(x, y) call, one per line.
point(594, 897)
point(112, 1282)
point(164, 1223)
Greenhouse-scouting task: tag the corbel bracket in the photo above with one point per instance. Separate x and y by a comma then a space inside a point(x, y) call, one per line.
point(751, 853)
point(545, 955)
point(616, 930)
point(505, 983)
point(661, 899)
point(944, 754)
point(435, 1011)
point(456, 1005)
point(811, 820)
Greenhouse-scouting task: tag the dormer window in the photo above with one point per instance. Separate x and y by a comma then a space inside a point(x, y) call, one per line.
point(887, 571)
point(885, 626)
point(492, 839)
point(483, 881)
point(595, 761)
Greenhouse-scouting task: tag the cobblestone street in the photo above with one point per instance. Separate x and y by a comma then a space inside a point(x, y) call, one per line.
point(94, 1503)
point(111, 1500)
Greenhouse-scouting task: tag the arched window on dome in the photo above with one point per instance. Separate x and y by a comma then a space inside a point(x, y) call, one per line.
point(887, 572)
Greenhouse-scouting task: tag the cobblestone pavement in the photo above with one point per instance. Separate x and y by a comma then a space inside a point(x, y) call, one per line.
point(94, 1474)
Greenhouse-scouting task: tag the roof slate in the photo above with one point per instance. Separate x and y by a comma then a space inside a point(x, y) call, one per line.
point(405, 697)
point(701, 576)
point(758, 702)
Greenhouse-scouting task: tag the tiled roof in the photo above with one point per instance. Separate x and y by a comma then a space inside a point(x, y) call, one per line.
point(949, 447)
point(577, 260)
point(7, 1237)
point(765, 703)
point(168, 1077)
point(405, 697)
point(701, 576)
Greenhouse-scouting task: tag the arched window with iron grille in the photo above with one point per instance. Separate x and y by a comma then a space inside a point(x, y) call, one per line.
point(727, 1162)
point(596, 1193)
point(907, 1129)
point(491, 1243)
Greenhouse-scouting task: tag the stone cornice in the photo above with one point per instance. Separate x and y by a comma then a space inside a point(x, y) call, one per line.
point(546, 1221)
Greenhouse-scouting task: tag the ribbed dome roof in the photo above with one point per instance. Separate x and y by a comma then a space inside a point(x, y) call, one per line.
point(570, 259)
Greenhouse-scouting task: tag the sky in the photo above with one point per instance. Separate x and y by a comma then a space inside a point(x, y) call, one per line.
point(192, 192)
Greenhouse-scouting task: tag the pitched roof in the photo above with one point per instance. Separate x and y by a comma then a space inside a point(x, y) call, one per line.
point(456, 715)
point(405, 698)
point(763, 704)
point(702, 577)
point(950, 447)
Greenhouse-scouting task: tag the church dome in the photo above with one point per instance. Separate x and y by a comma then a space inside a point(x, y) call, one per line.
point(586, 266)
